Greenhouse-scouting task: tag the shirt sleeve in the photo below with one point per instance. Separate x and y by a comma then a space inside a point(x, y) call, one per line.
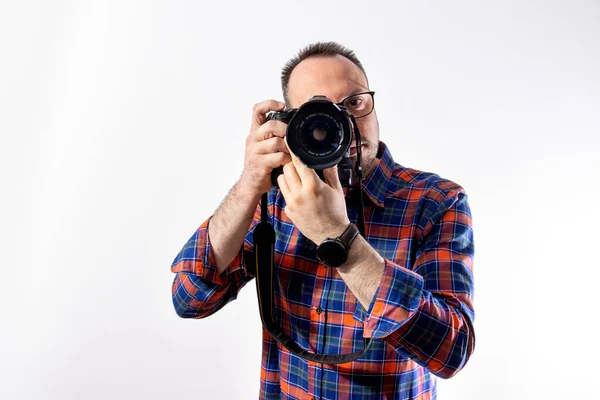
point(198, 289)
point(426, 313)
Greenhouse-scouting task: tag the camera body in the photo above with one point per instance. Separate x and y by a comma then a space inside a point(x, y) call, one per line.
point(320, 134)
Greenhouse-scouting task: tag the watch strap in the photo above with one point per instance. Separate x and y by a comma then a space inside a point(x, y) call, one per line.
point(349, 235)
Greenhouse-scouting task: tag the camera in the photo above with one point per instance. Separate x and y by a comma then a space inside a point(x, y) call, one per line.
point(320, 134)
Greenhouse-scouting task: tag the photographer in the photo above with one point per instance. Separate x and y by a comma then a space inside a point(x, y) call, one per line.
point(407, 284)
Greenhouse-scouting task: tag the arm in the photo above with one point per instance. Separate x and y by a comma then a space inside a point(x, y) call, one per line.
point(230, 223)
point(362, 271)
point(425, 313)
point(211, 266)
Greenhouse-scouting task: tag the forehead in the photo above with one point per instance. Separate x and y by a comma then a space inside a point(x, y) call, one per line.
point(333, 76)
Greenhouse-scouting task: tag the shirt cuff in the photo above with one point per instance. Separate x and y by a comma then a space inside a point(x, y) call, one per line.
point(211, 273)
point(396, 300)
point(197, 257)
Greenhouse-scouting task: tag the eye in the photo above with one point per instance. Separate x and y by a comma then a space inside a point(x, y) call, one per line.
point(353, 102)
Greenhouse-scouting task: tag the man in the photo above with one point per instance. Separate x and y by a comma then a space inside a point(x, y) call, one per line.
point(407, 284)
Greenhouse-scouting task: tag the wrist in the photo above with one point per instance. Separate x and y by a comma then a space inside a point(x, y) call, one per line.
point(360, 253)
point(332, 233)
point(355, 254)
point(248, 191)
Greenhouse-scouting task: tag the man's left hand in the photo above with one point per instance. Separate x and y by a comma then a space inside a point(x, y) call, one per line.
point(317, 208)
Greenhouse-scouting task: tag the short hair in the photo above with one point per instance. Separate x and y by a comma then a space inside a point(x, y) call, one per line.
point(318, 49)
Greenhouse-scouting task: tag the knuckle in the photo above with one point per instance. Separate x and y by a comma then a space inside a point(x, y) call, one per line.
point(275, 145)
point(261, 128)
point(265, 128)
point(298, 198)
point(282, 160)
point(270, 147)
point(271, 125)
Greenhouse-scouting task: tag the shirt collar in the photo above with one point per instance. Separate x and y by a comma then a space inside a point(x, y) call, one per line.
point(375, 185)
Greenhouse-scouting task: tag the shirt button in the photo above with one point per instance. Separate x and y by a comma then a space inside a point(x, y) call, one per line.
point(319, 310)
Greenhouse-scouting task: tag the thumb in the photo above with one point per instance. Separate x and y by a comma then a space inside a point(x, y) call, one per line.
point(332, 178)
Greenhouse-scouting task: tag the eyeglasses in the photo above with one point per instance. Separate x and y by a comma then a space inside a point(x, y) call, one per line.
point(359, 104)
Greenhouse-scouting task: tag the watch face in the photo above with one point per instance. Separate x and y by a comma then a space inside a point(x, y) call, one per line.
point(332, 253)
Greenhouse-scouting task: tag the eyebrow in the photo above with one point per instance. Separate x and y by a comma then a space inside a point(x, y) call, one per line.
point(358, 85)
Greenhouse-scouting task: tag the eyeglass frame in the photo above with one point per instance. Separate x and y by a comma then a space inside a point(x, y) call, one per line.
point(372, 93)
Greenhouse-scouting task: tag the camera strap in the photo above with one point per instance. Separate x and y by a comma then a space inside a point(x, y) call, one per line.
point(264, 248)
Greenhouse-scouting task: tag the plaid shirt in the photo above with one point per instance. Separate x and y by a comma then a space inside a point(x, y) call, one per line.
point(421, 225)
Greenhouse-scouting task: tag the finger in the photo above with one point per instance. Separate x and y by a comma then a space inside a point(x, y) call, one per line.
point(268, 130)
point(260, 110)
point(272, 145)
point(332, 178)
point(292, 178)
point(308, 177)
point(283, 186)
point(274, 160)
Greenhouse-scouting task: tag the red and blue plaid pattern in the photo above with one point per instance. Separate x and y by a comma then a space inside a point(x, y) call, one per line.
point(421, 318)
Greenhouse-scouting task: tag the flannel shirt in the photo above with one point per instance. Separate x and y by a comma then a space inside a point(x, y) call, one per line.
point(420, 319)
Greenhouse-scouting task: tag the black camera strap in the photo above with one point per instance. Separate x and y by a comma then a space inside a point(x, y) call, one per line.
point(264, 248)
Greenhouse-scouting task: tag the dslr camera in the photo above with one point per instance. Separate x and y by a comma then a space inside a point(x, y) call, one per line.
point(320, 134)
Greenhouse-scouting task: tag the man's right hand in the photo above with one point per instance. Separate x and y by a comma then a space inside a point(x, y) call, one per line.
point(265, 148)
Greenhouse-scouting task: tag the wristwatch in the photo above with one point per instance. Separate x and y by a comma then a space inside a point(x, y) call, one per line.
point(333, 252)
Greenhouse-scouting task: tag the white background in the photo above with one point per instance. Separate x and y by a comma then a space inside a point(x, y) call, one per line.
point(122, 128)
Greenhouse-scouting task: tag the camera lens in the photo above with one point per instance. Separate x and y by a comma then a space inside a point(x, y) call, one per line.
point(320, 137)
point(319, 134)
